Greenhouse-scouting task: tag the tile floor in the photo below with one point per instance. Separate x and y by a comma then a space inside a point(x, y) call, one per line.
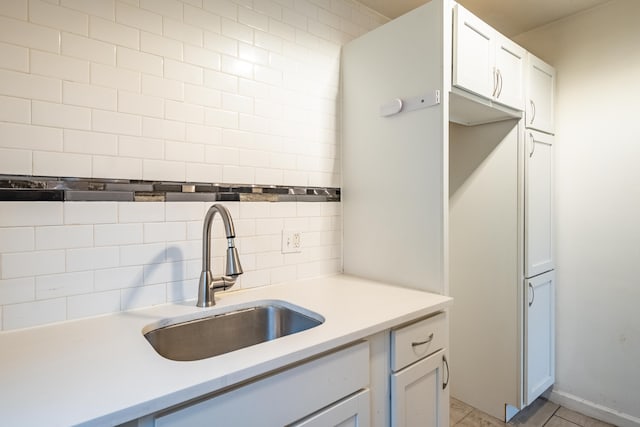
point(540, 413)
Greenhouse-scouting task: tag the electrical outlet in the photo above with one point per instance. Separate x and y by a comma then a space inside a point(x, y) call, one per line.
point(291, 241)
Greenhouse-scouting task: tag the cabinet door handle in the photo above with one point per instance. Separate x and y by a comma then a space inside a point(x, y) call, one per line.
point(427, 341)
point(533, 111)
point(495, 82)
point(500, 84)
point(446, 365)
point(533, 294)
point(533, 144)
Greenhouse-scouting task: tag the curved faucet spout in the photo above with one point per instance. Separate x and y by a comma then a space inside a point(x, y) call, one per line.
point(208, 284)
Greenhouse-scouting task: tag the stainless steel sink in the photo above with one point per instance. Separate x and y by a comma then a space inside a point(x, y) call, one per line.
point(222, 333)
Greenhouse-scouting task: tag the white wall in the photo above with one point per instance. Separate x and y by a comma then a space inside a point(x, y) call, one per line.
point(597, 58)
point(228, 91)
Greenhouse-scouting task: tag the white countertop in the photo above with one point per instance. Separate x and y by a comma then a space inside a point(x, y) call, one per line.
point(102, 371)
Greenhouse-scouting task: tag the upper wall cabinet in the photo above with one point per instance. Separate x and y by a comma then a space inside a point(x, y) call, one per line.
point(485, 62)
point(541, 80)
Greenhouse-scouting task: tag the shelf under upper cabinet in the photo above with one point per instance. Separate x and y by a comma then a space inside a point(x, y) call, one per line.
point(468, 109)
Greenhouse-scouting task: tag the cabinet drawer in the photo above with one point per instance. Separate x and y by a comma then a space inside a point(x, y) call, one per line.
point(413, 342)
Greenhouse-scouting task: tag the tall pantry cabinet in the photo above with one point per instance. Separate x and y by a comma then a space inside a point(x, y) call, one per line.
point(435, 188)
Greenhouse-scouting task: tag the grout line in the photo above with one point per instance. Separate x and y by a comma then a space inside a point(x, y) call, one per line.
point(552, 415)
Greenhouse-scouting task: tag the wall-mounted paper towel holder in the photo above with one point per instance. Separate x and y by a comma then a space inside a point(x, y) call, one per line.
point(397, 105)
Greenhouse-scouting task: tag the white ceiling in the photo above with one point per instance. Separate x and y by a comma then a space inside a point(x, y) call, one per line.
point(510, 17)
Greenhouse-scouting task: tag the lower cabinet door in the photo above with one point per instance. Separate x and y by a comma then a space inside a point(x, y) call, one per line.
point(350, 412)
point(419, 394)
point(539, 335)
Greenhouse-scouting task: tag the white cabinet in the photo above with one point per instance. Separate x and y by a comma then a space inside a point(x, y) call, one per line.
point(485, 62)
point(420, 374)
point(540, 335)
point(285, 397)
point(541, 78)
point(350, 412)
point(538, 203)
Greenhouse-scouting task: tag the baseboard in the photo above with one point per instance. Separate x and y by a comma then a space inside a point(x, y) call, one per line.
point(593, 410)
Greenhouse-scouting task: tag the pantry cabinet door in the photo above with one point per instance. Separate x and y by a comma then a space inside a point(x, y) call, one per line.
point(539, 335)
point(539, 230)
point(510, 63)
point(539, 110)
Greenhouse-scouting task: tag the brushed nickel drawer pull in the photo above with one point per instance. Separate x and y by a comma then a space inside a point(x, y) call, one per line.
point(427, 341)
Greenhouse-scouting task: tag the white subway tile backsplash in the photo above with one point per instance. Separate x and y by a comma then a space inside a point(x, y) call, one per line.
point(139, 61)
point(224, 8)
point(253, 19)
point(93, 304)
point(92, 258)
point(153, 253)
point(15, 9)
point(185, 211)
point(14, 57)
point(140, 212)
point(161, 87)
point(17, 162)
point(221, 118)
point(161, 129)
point(110, 32)
point(30, 86)
point(222, 81)
point(163, 169)
point(200, 172)
point(47, 163)
point(186, 33)
point(15, 291)
point(159, 45)
point(34, 313)
point(224, 91)
point(86, 48)
point(180, 71)
point(26, 264)
point(142, 148)
point(200, 18)
point(221, 44)
point(21, 214)
point(118, 278)
point(139, 18)
point(62, 285)
point(117, 234)
point(64, 237)
point(169, 8)
point(141, 105)
point(17, 239)
point(29, 35)
point(119, 78)
point(184, 112)
point(57, 17)
point(165, 232)
point(60, 115)
point(77, 141)
point(87, 95)
point(202, 57)
point(90, 212)
point(102, 8)
point(143, 296)
point(108, 166)
point(107, 121)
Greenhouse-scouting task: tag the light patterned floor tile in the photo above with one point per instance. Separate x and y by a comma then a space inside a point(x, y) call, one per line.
point(579, 419)
point(458, 410)
point(536, 414)
point(556, 421)
point(480, 419)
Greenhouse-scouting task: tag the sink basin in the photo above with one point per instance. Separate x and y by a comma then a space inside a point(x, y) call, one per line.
point(225, 332)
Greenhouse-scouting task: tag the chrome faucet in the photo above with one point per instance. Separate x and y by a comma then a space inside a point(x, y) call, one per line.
point(208, 284)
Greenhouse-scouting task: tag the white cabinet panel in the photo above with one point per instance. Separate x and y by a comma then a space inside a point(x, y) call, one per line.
point(485, 62)
point(350, 412)
point(541, 79)
point(418, 396)
point(539, 335)
point(538, 203)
